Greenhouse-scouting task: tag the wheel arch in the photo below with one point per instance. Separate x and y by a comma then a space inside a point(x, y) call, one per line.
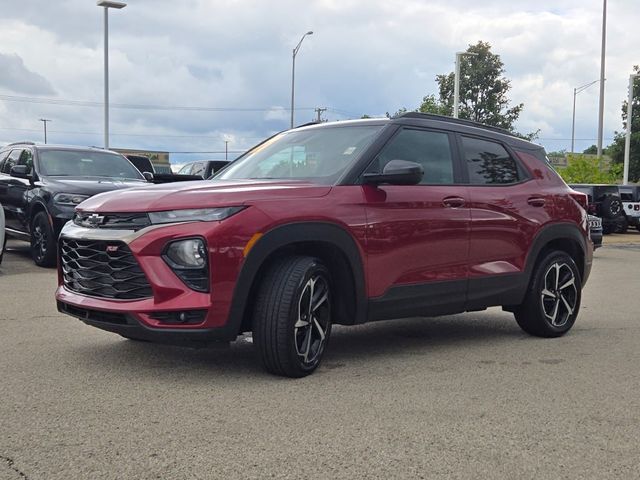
point(566, 237)
point(330, 243)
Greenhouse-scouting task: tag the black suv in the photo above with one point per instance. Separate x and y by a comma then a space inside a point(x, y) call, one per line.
point(40, 186)
point(605, 202)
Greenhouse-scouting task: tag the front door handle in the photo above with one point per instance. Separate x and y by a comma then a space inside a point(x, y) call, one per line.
point(536, 201)
point(453, 202)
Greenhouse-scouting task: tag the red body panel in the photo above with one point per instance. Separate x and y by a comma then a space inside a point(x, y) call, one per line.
point(405, 235)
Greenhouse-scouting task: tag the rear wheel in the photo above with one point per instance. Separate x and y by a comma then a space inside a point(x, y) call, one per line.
point(43, 241)
point(292, 316)
point(552, 302)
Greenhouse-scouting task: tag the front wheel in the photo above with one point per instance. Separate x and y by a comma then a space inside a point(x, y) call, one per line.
point(292, 316)
point(552, 302)
point(43, 241)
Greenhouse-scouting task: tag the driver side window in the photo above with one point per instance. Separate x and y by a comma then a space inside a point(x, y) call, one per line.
point(430, 149)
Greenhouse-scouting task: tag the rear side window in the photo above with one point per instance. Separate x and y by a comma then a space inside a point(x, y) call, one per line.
point(198, 169)
point(11, 160)
point(186, 169)
point(488, 163)
point(430, 149)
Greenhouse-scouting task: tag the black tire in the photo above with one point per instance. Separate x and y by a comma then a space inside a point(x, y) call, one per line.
point(43, 241)
point(553, 299)
point(622, 226)
point(611, 207)
point(289, 336)
point(3, 247)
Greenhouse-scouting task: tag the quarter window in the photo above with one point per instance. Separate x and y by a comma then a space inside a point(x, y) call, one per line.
point(430, 149)
point(488, 162)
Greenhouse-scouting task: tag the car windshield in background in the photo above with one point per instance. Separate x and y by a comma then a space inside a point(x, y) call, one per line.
point(318, 154)
point(79, 163)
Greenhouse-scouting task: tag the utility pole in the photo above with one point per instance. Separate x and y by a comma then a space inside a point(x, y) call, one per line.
point(44, 123)
point(627, 138)
point(293, 72)
point(576, 91)
point(226, 150)
point(602, 55)
point(319, 111)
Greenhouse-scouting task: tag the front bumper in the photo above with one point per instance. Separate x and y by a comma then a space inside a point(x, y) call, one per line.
point(138, 318)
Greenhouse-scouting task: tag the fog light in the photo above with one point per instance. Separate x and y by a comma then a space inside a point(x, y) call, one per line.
point(187, 253)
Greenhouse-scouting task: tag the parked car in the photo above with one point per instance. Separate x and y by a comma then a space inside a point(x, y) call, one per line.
point(204, 169)
point(338, 223)
point(40, 185)
point(3, 237)
point(605, 202)
point(157, 175)
point(595, 231)
point(630, 196)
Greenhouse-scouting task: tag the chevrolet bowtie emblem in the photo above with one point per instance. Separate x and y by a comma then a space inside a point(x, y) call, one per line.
point(94, 220)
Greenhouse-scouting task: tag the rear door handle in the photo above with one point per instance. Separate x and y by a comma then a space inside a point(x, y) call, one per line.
point(536, 201)
point(453, 202)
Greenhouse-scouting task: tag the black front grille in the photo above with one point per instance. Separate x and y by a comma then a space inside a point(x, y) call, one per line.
point(102, 269)
point(114, 221)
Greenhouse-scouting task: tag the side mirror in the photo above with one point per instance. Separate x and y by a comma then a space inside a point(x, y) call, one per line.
point(19, 171)
point(397, 172)
point(148, 176)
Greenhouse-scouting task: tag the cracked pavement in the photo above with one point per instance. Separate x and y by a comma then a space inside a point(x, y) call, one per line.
point(467, 396)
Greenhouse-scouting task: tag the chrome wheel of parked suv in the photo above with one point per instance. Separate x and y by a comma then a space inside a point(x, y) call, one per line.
point(553, 299)
point(292, 318)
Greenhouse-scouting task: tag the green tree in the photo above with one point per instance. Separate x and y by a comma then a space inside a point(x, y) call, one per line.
point(588, 169)
point(483, 89)
point(616, 149)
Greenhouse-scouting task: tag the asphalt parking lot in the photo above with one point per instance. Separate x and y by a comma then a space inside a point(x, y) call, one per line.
point(468, 396)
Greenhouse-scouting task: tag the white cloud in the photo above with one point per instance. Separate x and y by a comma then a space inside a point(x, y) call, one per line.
point(364, 57)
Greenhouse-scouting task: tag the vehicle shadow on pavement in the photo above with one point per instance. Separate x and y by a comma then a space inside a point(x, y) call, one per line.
point(369, 343)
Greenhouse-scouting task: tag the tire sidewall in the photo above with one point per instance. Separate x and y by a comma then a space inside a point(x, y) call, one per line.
point(48, 260)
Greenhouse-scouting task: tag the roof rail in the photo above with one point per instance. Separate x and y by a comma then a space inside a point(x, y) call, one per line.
point(19, 143)
point(460, 121)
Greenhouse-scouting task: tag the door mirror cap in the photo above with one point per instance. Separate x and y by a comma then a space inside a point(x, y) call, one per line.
point(148, 176)
point(397, 172)
point(19, 171)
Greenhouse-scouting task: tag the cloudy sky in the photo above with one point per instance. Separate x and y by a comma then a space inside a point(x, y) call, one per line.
point(229, 61)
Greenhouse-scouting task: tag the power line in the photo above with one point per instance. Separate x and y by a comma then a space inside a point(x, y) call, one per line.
point(84, 103)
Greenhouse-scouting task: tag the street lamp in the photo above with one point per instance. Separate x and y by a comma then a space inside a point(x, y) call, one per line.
point(627, 140)
point(107, 4)
point(293, 72)
point(576, 91)
point(44, 121)
point(456, 81)
point(602, 52)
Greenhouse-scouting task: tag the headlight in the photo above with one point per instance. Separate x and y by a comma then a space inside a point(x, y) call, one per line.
point(188, 260)
point(193, 215)
point(71, 199)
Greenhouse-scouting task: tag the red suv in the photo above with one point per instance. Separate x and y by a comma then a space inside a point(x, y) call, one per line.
point(339, 223)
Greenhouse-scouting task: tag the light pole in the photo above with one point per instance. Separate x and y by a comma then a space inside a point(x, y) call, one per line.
point(602, 52)
point(293, 72)
point(627, 139)
point(456, 81)
point(107, 4)
point(44, 122)
point(576, 91)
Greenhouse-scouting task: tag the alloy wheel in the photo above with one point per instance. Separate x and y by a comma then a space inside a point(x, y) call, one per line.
point(40, 241)
point(313, 320)
point(559, 295)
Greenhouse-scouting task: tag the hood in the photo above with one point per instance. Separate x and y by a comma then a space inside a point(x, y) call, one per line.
point(202, 194)
point(90, 185)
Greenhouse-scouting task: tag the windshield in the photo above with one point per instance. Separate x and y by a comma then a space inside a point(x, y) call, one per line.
point(317, 154)
point(87, 163)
